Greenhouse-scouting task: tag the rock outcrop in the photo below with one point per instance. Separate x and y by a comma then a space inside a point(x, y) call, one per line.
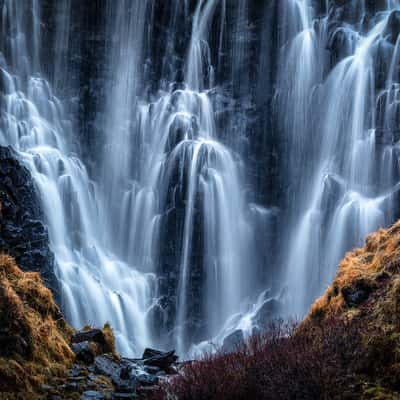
point(41, 356)
point(23, 234)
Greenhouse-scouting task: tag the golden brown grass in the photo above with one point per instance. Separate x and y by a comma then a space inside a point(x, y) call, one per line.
point(377, 264)
point(109, 345)
point(39, 349)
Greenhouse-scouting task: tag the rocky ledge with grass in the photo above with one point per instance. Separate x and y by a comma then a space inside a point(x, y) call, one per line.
point(41, 356)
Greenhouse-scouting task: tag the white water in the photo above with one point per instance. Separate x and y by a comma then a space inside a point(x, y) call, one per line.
point(96, 286)
point(162, 238)
point(176, 142)
point(103, 233)
point(342, 157)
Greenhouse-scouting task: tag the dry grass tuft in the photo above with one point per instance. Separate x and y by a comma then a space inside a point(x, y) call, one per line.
point(109, 345)
point(34, 337)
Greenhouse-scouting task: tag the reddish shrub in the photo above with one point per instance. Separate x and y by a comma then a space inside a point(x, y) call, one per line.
point(280, 364)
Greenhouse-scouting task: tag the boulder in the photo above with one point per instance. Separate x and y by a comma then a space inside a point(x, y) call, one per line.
point(92, 395)
point(147, 379)
point(118, 373)
point(268, 312)
point(124, 396)
point(92, 335)
point(84, 352)
point(233, 341)
point(160, 359)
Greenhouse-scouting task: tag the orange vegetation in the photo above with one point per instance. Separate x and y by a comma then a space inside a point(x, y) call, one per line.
point(34, 337)
point(374, 269)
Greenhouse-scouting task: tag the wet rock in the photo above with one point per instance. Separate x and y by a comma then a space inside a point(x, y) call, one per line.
point(124, 396)
point(118, 373)
point(160, 359)
point(340, 44)
point(23, 234)
point(77, 379)
point(92, 335)
point(373, 6)
point(75, 371)
point(233, 341)
point(269, 311)
point(84, 352)
point(92, 395)
point(72, 386)
point(151, 370)
point(392, 29)
point(147, 379)
point(106, 366)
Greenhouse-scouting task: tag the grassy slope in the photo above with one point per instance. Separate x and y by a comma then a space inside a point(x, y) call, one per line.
point(375, 271)
point(34, 336)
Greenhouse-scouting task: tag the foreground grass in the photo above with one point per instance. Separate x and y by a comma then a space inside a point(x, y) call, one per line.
point(34, 337)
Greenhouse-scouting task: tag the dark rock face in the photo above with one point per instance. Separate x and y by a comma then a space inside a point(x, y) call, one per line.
point(23, 234)
point(233, 341)
point(92, 335)
point(84, 352)
point(118, 374)
point(160, 359)
point(356, 294)
point(270, 311)
point(392, 29)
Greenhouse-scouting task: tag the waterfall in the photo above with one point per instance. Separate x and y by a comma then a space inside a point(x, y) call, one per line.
point(202, 165)
point(173, 141)
point(96, 286)
point(339, 199)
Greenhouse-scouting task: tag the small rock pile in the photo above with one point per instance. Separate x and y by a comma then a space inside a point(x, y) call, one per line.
point(99, 373)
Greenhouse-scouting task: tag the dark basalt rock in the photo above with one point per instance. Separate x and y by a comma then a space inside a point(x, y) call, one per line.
point(357, 294)
point(118, 374)
point(123, 396)
point(392, 29)
point(270, 311)
point(160, 359)
point(233, 341)
point(92, 335)
point(148, 380)
point(84, 352)
point(23, 234)
point(92, 395)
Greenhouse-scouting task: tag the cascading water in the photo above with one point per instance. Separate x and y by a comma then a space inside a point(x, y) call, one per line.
point(33, 122)
point(203, 165)
point(338, 198)
point(181, 160)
